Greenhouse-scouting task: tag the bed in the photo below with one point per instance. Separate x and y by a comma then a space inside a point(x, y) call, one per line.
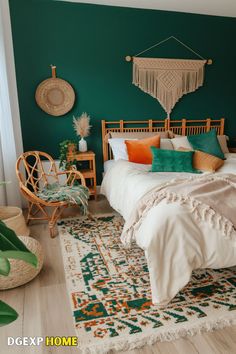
point(174, 239)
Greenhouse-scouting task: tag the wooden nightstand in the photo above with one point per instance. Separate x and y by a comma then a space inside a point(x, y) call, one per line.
point(232, 149)
point(88, 173)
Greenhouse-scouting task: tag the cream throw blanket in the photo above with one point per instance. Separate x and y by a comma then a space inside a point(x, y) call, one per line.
point(168, 80)
point(211, 198)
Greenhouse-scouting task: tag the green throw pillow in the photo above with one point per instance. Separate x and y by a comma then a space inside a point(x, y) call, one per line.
point(207, 142)
point(172, 161)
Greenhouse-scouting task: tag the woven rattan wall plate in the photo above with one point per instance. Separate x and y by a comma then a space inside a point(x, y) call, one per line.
point(55, 96)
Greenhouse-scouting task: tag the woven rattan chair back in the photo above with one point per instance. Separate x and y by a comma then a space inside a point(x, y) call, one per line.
point(35, 170)
point(37, 174)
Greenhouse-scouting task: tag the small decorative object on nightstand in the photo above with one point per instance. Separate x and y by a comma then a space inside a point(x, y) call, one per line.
point(82, 129)
point(89, 172)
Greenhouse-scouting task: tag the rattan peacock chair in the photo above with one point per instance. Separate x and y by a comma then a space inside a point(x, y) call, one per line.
point(33, 175)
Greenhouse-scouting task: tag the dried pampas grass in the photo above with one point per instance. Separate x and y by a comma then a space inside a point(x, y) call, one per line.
point(81, 125)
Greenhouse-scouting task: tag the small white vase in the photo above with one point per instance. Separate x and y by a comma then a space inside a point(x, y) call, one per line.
point(83, 145)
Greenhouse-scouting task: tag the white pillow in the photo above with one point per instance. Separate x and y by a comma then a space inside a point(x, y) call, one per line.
point(119, 149)
point(181, 142)
point(223, 143)
point(166, 144)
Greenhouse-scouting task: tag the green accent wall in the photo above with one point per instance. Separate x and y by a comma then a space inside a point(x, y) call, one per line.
point(88, 44)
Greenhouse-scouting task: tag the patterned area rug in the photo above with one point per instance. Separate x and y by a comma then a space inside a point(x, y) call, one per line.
point(110, 292)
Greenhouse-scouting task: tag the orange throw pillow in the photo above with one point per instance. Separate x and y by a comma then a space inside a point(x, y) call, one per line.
point(139, 151)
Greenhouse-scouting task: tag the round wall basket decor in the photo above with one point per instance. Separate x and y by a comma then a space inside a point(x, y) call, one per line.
point(55, 96)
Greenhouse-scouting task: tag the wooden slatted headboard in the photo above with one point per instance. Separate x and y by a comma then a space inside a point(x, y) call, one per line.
point(181, 127)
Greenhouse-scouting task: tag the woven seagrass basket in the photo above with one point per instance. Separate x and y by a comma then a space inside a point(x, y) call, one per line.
point(14, 219)
point(22, 272)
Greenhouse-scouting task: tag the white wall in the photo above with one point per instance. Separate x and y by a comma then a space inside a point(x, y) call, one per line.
point(10, 130)
point(207, 7)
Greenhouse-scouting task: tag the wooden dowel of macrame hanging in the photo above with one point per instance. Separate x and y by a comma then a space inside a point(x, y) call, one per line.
point(53, 67)
point(128, 58)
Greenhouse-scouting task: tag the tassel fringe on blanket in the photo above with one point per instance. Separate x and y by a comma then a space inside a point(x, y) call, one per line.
point(76, 194)
point(205, 196)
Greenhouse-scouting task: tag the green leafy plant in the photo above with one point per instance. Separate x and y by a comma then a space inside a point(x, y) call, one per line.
point(11, 247)
point(64, 146)
point(7, 314)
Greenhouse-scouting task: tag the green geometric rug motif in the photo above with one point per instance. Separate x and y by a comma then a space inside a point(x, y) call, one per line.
point(110, 294)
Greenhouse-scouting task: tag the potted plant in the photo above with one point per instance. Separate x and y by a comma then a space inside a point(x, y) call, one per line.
point(82, 128)
point(71, 148)
point(11, 247)
point(67, 147)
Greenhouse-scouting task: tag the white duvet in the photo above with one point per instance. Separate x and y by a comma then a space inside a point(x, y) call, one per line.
point(173, 242)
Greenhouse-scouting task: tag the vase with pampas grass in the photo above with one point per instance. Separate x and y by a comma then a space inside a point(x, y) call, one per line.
point(82, 128)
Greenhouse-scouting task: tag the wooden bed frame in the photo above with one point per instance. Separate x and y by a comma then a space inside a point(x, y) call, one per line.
point(181, 127)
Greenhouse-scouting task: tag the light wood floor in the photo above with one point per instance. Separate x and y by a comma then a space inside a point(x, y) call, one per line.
point(44, 309)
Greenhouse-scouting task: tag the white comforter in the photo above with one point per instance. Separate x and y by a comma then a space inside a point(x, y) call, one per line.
point(173, 242)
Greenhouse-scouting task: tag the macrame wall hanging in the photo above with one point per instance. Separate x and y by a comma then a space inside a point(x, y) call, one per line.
point(168, 80)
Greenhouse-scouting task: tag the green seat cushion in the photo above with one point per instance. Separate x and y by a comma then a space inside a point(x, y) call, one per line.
point(172, 161)
point(207, 142)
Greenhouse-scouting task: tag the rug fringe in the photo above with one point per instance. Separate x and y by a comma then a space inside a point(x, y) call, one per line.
point(138, 341)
